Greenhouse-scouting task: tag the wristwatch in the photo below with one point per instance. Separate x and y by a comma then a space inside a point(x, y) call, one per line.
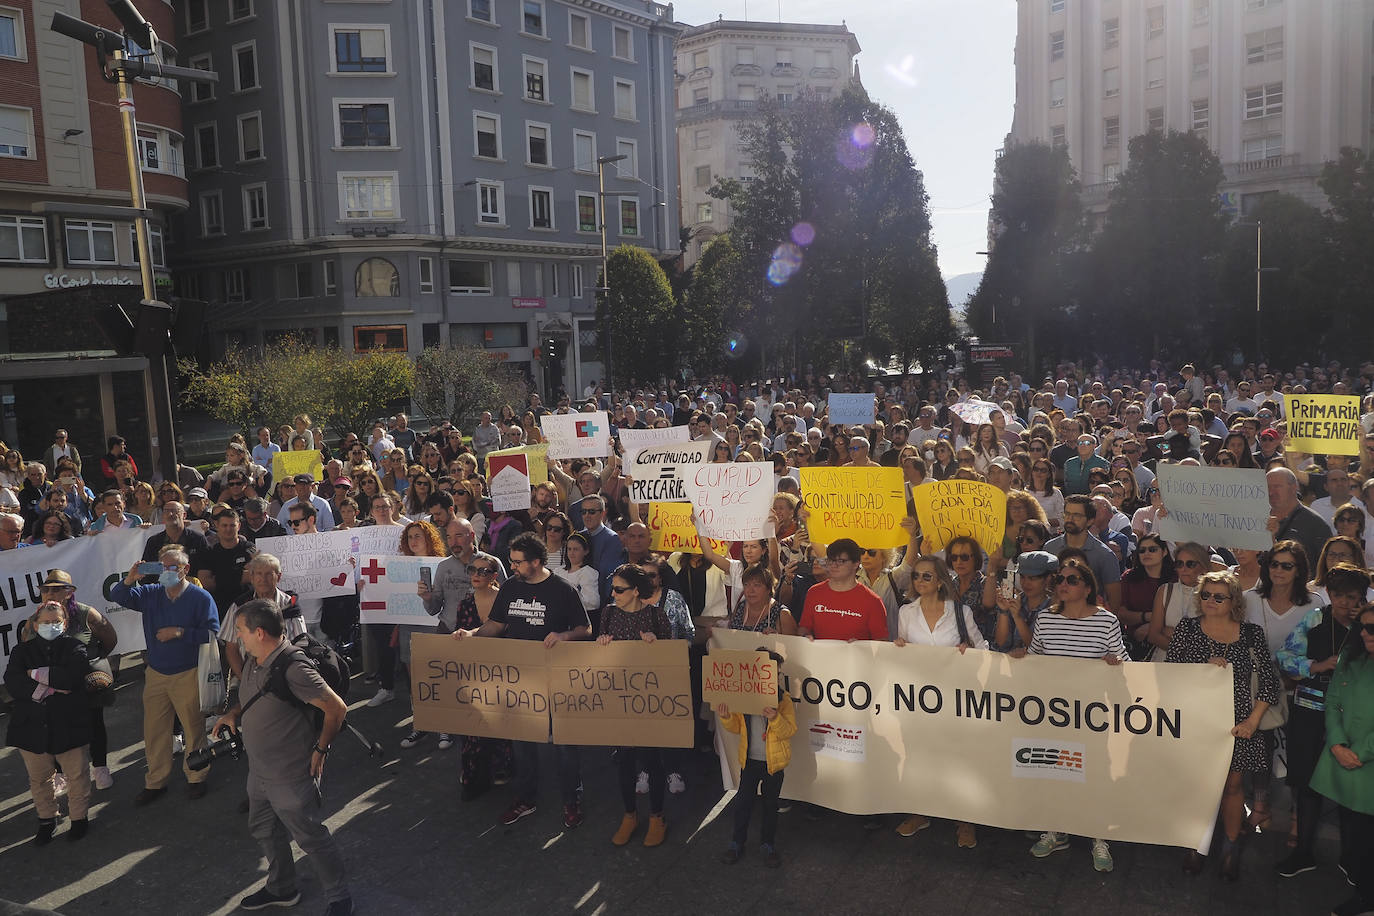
point(322, 751)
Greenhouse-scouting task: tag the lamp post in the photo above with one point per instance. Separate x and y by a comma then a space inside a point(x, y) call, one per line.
point(605, 287)
point(1260, 270)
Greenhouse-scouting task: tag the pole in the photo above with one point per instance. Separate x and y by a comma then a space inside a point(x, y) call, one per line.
point(162, 436)
point(605, 276)
point(1259, 273)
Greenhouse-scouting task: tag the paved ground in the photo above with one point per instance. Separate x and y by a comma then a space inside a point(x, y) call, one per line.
point(414, 848)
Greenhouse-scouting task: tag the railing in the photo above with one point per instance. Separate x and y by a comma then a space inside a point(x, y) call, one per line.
point(1264, 165)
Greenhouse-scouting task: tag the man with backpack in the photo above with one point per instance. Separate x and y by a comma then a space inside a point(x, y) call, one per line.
point(286, 742)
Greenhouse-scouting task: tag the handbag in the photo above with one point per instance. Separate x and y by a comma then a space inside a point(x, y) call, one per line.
point(210, 677)
point(105, 696)
point(1276, 716)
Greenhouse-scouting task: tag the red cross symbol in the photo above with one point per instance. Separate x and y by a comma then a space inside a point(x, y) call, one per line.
point(372, 606)
point(372, 571)
point(586, 429)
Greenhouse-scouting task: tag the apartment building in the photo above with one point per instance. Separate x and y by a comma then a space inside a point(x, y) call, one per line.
point(724, 69)
point(400, 175)
point(1276, 87)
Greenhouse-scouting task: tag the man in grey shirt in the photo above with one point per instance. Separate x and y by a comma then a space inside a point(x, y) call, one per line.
point(486, 436)
point(452, 581)
point(1078, 514)
point(285, 762)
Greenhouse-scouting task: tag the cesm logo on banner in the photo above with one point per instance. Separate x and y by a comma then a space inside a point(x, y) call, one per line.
point(1041, 759)
point(838, 741)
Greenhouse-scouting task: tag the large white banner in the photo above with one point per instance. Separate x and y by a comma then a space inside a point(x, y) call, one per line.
point(314, 565)
point(95, 562)
point(577, 435)
point(659, 473)
point(388, 590)
point(1137, 752)
point(732, 501)
point(1219, 507)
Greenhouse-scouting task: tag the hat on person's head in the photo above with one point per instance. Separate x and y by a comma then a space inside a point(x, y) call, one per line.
point(197, 493)
point(1271, 434)
point(1003, 462)
point(303, 478)
point(8, 500)
point(342, 482)
point(1037, 563)
point(58, 578)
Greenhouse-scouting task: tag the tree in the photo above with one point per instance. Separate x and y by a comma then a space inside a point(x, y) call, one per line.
point(638, 314)
point(716, 310)
point(341, 392)
point(908, 313)
point(1038, 226)
point(460, 381)
point(1349, 185)
point(1154, 265)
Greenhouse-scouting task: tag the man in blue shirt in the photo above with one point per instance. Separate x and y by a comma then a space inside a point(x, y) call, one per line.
point(178, 618)
point(607, 551)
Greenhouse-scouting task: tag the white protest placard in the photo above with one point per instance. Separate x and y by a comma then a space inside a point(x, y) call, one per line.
point(375, 540)
point(632, 440)
point(732, 501)
point(313, 565)
point(389, 593)
point(1219, 507)
point(509, 477)
point(659, 472)
point(851, 409)
point(577, 435)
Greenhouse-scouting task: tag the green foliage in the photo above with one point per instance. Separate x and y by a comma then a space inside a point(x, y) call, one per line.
point(640, 315)
point(1349, 185)
point(716, 308)
point(459, 382)
point(344, 393)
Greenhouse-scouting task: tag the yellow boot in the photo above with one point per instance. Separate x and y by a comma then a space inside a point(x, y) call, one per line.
point(628, 824)
point(658, 827)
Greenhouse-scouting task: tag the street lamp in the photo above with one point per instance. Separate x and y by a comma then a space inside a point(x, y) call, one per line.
point(1260, 270)
point(605, 287)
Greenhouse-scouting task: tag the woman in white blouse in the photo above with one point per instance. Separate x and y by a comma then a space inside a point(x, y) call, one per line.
point(579, 574)
point(934, 618)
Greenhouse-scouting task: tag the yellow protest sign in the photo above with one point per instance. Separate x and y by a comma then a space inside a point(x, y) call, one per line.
point(671, 530)
point(286, 465)
point(866, 504)
point(948, 509)
point(1324, 424)
point(538, 456)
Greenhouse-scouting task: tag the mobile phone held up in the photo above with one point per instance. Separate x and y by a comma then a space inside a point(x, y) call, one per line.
point(426, 577)
point(150, 568)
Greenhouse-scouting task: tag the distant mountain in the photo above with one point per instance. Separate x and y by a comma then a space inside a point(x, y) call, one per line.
point(960, 287)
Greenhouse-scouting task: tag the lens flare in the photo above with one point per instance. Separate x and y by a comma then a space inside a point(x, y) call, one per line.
point(803, 234)
point(862, 135)
point(787, 260)
point(854, 151)
point(735, 345)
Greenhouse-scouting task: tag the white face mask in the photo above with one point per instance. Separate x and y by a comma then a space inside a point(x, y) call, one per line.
point(51, 631)
point(169, 578)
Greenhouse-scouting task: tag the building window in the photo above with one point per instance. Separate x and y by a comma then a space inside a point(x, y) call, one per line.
point(202, 91)
point(211, 213)
point(240, 9)
point(484, 68)
point(1202, 12)
point(1264, 46)
point(150, 153)
point(1111, 82)
point(1111, 171)
point(250, 137)
point(426, 275)
point(1058, 137)
point(491, 207)
point(331, 284)
point(513, 278)
point(575, 287)
point(16, 133)
point(703, 213)
point(390, 338)
point(748, 93)
point(623, 43)
point(236, 285)
point(535, 80)
point(155, 244)
point(254, 207)
point(584, 151)
point(90, 242)
point(532, 18)
point(1263, 101)
point(785, 95)
point(537, 144)
point(469, 278)
point(1202, 60)
point(583, 91)
point(553, 281)
point(703, 176)
point(245, 66)
point(1154, 22)
point(1057, 6)
point(360, 50)
point(197, 15)
point(579, 31)
point(1202, 114)
point(1111, 132)
point(368, 196)
point(629, 216)
point(586, 213)
point(1257, 149)
point(629, 166)
point(1154, 73)
point(23, 238)
point(481, 11)
point(625, 99)
point(1057, 86)
point(701, 138)
point(207, 146)
point(701, 95)
point(1056, 45)
point(487, 136)
point(365, 123)
point(782, 57)
point(296, 281)
point(1154, 119)
point(1111, 32)
point(1261, 4)
point(744, 57)
point(376, 278)
point(541, 208)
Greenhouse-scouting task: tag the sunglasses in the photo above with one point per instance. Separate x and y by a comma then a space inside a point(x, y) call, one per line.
point(557, 528)
point(961, 557)
point(1190, 564)
point(870, 553)
point(480, 571)
point(1068, 580)
point(1213, 597)
point(924, 576)
point(1151, 548)
point(592, 511)
point(621, 589)
point(1285, 565)
point(1367, 629)
point(297, 522)
point(1028, 539)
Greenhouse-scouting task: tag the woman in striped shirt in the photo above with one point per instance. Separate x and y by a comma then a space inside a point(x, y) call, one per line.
point(1077, 628)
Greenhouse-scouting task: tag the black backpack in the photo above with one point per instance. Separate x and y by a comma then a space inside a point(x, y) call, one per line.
point(307, 650)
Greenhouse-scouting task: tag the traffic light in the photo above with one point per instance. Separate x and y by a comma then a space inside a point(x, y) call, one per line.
point(551, 351)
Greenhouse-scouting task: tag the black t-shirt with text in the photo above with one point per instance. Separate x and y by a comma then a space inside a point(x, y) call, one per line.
point(533, 610)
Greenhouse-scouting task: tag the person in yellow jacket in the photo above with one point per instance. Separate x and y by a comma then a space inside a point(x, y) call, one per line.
point(764, 751)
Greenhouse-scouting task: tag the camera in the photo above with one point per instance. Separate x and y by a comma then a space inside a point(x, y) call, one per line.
point(230, 745)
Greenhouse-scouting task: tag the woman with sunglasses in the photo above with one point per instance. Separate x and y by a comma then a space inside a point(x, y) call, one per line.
point(1349, 521)
point(1151, 568)
point(1176, 600)
point(466, 505)
point(1343, 773)
point(1219, 635)
point(484, 761)
point(940, 454)
point(1074, 626)
point(890, 583)
point(934, 617)
point(1042, 487)
point(421, 489)
point(574, 570)
point(631, 616)
point(557, 527)
point(964, 559)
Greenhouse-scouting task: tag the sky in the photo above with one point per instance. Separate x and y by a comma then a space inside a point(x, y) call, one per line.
point(946, 68)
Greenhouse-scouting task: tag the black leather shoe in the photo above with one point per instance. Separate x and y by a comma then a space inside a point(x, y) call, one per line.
point(146, 796)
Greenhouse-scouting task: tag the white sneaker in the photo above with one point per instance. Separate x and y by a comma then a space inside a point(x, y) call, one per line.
point(178, 744)
point(59, 784)
point(676, 784)
point(445, 741)
point(102, 777)
point(642, 783)
point(383, 696)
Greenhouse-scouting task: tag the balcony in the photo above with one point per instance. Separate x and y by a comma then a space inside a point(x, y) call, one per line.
point(825, 72)
point(718, 108)
point(1286, 166)
point(746, 70)
point(786, 70)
